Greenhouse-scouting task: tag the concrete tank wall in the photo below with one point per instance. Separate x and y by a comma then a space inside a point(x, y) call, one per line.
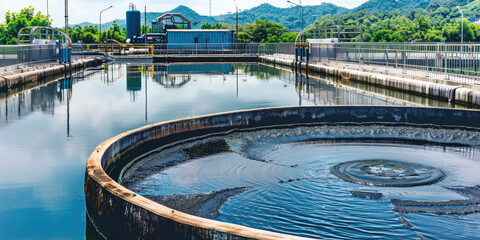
point(20, 79)
point(428, 88)
point(121, 213)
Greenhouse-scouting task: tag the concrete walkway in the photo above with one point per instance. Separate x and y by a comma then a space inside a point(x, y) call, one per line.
point(21, 76)
point(394, 79)
point(414, 73)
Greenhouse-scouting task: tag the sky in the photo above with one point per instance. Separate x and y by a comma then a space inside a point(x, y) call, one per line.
point(88, 10)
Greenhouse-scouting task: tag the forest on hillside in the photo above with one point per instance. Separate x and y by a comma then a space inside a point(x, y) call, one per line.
point(434, 24)
point(429, 21)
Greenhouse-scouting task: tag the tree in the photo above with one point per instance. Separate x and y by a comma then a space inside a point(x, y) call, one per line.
point(216, 26)
point(264, 30)
point(288, 37)
point(16, 21)
point(206, 26)
point(438, 22)
point(382, 36)
point(243, 37)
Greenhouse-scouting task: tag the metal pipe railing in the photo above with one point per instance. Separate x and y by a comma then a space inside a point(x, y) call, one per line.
point(445, 61)
point(17, 56)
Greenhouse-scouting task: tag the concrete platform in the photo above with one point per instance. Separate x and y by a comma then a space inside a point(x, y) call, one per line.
point(204, 58)
point(133, 58)
point(10, 80)
point(436, 88)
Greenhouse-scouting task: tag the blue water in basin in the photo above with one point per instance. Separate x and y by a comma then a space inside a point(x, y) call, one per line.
point(47, 133)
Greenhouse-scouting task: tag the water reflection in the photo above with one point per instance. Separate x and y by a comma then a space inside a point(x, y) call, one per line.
point(42, 99)
point(111, 73)
point(310, 90)
point(47, 133)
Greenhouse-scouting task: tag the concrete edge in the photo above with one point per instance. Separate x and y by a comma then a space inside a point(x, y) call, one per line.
point(432, 89)
point(126, 212)
point(96, 173)
point(20, 79)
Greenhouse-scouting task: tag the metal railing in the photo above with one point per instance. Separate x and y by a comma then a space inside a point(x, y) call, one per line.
point(15, 56)
point(185, 49)
point(209, 49)
point(451, 62)
point(221, 48)
point(111, 48)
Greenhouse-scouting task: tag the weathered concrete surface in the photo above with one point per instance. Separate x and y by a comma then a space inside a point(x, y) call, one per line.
point(428, 88)
point(121, 213)
point(204, 205)
point(133, 58)
point(19, 79)
point(204, 58)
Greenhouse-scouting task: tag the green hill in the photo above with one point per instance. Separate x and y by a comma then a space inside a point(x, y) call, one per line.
point(451, 3)
point(289, 17)
point(472, 10)
point(388, 5)
point(184, 10)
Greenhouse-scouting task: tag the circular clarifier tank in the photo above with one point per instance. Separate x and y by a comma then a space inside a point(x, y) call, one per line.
point(290, 179)
point(275, 175)
point(387, 173)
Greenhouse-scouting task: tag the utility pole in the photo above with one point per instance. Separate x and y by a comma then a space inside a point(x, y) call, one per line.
point(236, 25)
point(48, 18)
point(100, 32)
point(210, 8)
point(145, 21)
point(462, 20)
point(301, 12)
point(66, 17)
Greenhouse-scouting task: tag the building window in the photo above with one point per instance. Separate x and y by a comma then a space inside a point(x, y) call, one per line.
point(195, 40)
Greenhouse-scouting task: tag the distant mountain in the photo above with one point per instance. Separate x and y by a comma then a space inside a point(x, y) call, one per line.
point(388, 5)
point(289, 17)
point(472, 10)
point(184, 10)
point(451, 3)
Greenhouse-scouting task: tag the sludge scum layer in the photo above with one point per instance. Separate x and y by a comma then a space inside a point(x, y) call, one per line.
point(314, 172)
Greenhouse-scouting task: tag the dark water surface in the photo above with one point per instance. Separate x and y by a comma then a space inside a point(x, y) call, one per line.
point(47, 134)
point(292, 190)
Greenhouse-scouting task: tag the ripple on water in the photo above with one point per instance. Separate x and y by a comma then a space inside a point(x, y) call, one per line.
point(294, 192)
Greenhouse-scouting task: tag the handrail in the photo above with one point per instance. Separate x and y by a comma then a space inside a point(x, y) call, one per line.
point(34, 28)
point(332, 27)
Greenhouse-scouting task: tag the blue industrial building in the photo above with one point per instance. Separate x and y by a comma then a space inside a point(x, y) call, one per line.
point(174, 29)
point(200, 38)
point(185, 36)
